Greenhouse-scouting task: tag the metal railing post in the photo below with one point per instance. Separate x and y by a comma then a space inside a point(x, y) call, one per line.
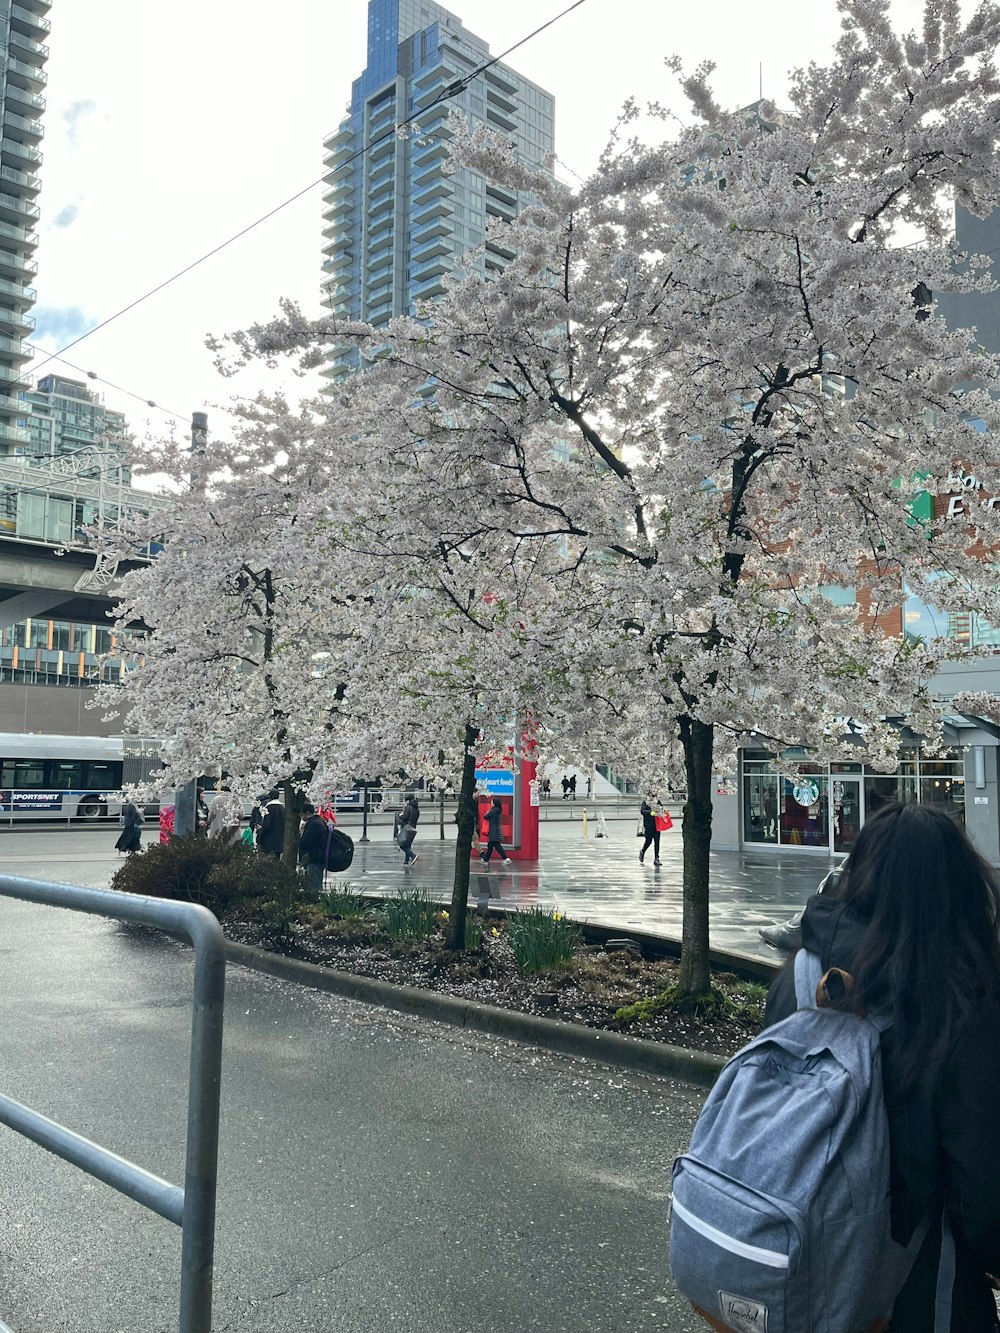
point(193, 1208)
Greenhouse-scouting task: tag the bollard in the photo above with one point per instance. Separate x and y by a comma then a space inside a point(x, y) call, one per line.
point(585, 834)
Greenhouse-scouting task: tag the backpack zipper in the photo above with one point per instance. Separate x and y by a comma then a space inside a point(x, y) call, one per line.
point(770, 1258)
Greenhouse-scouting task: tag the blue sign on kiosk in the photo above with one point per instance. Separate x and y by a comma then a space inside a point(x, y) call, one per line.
point(496, 781)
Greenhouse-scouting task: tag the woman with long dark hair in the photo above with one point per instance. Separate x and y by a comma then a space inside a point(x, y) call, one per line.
point(914, 921)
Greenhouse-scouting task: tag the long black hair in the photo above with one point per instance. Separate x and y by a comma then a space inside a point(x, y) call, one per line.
point(930, 955)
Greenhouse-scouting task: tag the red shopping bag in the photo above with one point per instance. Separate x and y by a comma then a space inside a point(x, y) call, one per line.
point(663, 822)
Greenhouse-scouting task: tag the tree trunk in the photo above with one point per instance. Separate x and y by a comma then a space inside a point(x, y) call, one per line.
point(697, 740)
point(466, 820)
point(294, 801)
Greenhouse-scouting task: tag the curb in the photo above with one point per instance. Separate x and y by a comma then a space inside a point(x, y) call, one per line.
point(610, 1048)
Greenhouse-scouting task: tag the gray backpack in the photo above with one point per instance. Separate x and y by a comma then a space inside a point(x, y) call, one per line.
point(780, 1210)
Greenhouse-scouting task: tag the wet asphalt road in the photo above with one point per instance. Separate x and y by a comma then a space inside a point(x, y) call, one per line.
point(376, 1173)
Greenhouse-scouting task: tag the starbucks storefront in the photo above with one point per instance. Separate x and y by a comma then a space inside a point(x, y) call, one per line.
point(824, 807)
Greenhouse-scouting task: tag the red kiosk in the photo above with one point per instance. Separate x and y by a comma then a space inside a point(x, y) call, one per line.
point(512, 777)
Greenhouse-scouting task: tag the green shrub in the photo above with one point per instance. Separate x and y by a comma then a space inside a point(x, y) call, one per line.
point(411, 916)
point(218, 875)
point(541, 940)
point(344, 901)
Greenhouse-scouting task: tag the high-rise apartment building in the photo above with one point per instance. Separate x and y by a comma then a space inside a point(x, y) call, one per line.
point(394, 221)
point(65, 416)
point(23, 29)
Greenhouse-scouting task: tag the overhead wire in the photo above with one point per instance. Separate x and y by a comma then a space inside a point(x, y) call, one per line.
point(457, 86)
point(92, 375)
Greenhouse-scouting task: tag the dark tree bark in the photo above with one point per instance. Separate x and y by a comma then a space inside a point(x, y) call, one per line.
point(697, 739)
point(294, 801)
point(466, 820)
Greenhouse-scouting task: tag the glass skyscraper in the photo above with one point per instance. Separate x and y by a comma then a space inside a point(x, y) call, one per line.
point(394, 221)
point(23, 29)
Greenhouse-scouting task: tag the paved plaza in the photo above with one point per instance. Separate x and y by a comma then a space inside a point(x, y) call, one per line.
point(589, 878)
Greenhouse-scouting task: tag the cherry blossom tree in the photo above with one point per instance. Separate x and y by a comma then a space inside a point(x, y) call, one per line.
point(704, 391)
point(294, 636)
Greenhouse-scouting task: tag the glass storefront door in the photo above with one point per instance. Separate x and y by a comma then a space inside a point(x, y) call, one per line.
point(847, 815)
point(804, 816)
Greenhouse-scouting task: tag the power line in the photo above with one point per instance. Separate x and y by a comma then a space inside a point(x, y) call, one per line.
point(92, 375)
point(454, 88)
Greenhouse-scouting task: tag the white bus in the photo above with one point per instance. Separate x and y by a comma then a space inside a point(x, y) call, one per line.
point(70, 777)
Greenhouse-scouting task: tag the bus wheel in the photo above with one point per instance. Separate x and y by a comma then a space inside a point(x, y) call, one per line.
point(91, 808)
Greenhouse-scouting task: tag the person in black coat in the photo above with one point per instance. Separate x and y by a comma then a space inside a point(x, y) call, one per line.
point(409, 816)
point(494, 818)
point(313, 843)
point(914, 920)
point(130, 838)
point(271, 834)
point(650, 832)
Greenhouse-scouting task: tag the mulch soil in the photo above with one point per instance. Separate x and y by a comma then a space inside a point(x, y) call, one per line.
point(591, 990)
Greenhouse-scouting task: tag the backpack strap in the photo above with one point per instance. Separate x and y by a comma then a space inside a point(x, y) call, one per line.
point(808, 975)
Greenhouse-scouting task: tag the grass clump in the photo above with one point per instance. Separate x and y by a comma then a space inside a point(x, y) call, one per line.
point(541, 940)
point(411, 916)
point(345, 901)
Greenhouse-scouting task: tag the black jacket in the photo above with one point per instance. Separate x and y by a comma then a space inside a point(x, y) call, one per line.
point(312, 843)
point(945, 1141)
point(494, 817)
point(410, 813)
point(271, 835)
point(648, 819)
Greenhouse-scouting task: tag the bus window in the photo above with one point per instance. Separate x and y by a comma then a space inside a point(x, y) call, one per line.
point(21, 773)
point(103, 775)
point(64, 774)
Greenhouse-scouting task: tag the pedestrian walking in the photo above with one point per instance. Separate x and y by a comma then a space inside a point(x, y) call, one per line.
point(130, 838)
point(271, 834)
point(572, 787)
point(650, 832)
point(494, 815)
point(224, 817)
point(565, 787)
point(546, 789)
point(912, 925)
point(201, 812)
point(408, 819)
point(313, 842)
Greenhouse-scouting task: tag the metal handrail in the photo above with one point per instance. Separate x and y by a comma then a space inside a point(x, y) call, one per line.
point(193, 1207)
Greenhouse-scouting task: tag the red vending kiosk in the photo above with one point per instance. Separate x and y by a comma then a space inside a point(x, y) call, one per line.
point(517, 786)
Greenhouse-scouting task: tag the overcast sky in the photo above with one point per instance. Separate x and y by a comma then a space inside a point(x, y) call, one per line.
point(170, 127)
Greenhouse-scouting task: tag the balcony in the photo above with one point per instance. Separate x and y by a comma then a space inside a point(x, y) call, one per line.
point(22, 99)
point(32, 25)
point(24, 179)
point(28, 239)
point(13, 433)
point(26, 75)
point(21, 128)
point(13, 208)
point(37, 53)
point(499, 119)
point(16, 266)
point(430, 249)
point(12, 152)
point(14, 324)
point(13, 291)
